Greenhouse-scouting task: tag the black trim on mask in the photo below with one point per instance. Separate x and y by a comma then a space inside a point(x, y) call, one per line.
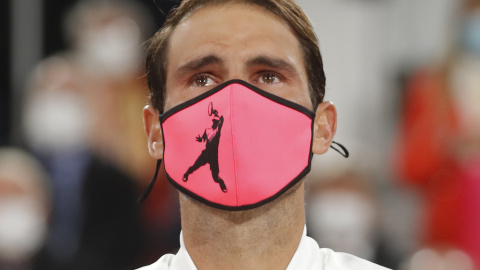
point(219, 87)
point(265, 94)
point(270, 96)
point(243, 207)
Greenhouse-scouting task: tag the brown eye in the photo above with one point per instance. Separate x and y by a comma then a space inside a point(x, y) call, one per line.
point(269, 78)
point(202, 81)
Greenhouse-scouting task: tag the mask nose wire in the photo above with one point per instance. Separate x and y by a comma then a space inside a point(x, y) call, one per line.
point(345, 152)
point(149, 188)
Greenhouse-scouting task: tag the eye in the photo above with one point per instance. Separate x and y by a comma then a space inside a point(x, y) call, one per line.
point(202, 80)
point(269, 78)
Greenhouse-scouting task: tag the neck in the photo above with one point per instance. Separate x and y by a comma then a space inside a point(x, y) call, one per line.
point(262, 238)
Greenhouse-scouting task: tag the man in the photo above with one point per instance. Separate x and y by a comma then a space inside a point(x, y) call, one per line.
point(259, 63)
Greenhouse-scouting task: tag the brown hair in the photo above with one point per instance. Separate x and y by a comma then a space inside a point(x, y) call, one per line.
point(287, 10)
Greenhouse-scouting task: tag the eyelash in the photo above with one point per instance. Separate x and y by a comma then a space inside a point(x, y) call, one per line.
point(257, 77)
point(199, 76)
point(261, 73)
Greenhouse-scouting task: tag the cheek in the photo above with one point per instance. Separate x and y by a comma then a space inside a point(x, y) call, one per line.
point(300, 96)
point(174, 94)
point(168, 103)
point(174, 98)
point(307, 100)
point(298, 91)
point(178, 95)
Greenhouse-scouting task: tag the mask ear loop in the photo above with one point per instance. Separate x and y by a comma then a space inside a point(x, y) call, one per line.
point(149, 188)
point(345, 152)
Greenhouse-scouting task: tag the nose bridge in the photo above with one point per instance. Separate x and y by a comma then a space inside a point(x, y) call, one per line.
point(236, 68)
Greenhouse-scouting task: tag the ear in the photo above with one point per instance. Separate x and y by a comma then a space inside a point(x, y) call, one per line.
point(151, 126)
point(324, 127)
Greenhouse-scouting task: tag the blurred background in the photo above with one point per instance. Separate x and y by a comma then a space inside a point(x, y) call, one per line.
point(404, 75)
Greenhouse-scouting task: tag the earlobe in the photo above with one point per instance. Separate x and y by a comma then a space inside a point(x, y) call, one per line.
point(151, 125)
point(324, 127)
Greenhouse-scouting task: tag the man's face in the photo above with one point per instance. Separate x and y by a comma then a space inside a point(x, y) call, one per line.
point(219, 43)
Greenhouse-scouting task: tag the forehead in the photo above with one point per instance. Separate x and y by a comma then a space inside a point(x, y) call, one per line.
point(239, 28)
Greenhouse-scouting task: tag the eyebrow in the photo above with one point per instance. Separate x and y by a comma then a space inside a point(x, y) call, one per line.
point(271, 62)
point(212, 59)
point(199, 63)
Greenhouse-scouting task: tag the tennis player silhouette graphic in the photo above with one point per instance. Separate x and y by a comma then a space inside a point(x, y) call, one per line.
point(210, 154)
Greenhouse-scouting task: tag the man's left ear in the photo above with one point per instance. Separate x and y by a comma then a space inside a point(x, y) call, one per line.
point(153, 131)
point(324, 127)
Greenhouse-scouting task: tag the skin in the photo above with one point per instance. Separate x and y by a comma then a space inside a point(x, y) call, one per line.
point(237, 41)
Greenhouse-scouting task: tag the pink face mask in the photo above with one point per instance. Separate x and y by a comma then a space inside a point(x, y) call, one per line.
point(236, 146)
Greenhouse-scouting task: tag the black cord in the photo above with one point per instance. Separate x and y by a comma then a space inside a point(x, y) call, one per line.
point(149, 188)
point(345, 152)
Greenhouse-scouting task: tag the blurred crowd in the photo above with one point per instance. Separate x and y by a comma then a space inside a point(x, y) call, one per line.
point(408, 198)
point(438, 149)
point(82, 129)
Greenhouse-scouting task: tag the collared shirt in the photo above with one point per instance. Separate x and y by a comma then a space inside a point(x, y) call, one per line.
point(308, 256)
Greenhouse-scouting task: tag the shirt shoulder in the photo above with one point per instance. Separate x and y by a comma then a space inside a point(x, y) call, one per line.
point(179, 261)
point(163, 263)
point(309, 256)
point(345, 261)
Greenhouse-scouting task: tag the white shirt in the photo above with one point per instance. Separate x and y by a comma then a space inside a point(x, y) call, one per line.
point(308, 256)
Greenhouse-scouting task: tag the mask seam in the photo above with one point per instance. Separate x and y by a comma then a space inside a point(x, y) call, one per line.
point(233, 144)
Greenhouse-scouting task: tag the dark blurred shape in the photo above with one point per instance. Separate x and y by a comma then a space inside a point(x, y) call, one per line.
point(5, 95)
point(107, 234)
point(164, 7)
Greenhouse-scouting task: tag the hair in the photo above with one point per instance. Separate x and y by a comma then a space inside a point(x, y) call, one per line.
point(286, 10)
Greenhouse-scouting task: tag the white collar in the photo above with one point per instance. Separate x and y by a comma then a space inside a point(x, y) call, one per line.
point(310, 256)
point(182, 260)
point(307, 256)
point(306, 253)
